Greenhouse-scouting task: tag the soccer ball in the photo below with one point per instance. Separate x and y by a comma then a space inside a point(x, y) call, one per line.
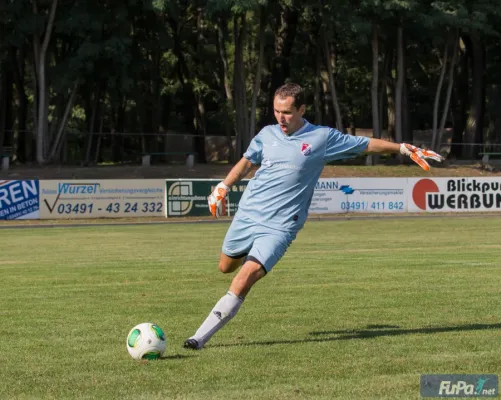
point(146, 341)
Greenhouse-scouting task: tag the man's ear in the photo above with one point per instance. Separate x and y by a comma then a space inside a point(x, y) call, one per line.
point(302, 109)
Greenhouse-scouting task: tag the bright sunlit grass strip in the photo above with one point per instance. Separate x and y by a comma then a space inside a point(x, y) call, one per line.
point(355, 310)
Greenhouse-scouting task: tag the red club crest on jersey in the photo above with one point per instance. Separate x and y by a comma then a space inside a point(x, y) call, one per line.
point(305, 149)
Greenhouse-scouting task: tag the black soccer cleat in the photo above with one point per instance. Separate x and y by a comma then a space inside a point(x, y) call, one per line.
point(191, 344)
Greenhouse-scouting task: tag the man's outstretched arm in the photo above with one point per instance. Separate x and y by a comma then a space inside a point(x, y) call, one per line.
point(382, 146)
point(419, 156)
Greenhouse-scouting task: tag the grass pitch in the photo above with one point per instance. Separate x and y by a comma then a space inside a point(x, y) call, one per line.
point(355, 310)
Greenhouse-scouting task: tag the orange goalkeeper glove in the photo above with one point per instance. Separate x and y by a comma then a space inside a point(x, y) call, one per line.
point(419, 156)
point(217, 200)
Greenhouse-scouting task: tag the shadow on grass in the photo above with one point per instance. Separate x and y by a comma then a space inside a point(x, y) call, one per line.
point(176, 357)
point(390, 330)
point(370, 332)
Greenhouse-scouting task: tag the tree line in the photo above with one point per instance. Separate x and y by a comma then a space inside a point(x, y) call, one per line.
point(75, 71)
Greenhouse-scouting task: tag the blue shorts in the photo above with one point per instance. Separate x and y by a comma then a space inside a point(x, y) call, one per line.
point(267, 245)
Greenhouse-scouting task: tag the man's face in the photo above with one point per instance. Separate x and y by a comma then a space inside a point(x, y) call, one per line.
point(287, 115)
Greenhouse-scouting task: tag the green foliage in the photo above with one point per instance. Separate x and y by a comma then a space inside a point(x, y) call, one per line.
point(150, 60)
point(235, 6)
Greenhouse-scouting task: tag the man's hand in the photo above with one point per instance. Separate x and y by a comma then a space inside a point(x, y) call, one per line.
point(217, 200)
point(419, 156)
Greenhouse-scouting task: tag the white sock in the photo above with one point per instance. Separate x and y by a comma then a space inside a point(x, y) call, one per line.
point(224, 310)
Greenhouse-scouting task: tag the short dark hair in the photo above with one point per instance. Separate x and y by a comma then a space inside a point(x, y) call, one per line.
point(291, 90)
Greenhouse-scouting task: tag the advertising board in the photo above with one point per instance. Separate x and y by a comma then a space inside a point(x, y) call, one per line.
point(19, 200)
point(454, 194)
point(188, 197)
point(102, 198)
point(359, 195)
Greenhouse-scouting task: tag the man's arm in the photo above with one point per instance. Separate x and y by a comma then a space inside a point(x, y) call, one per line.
point(217, 199)
point(419, 156)
point(382, 146)
point(238, 172)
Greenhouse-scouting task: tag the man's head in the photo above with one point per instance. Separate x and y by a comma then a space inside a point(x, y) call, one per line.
point(289, 107)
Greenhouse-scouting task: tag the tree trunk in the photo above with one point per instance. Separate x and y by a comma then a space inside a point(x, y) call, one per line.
point(407, 136)
point(257, 82)
point(156, 96)
point(92, 124)
point(23, 136)
point(40, 65)
point(59, 103)
point(332, 84)
point(56, 148)
point(7, 119)
point(34, 108)
point(479, 69)
point(46, 142)
point(2, 103)
point(222, 35)
point(388, 62)
point(192, 114)
point(375, 81)
point(390, 95)
point(400, 84)
point(328, 117)
point(460, 100)
point(118, 148)
point(285, 35)
point(449, 92)
point(317, 94)
point(200, 129)
point(495, 125)
point(375, 96)
point(438, 92)
point(99, 138)
point(475, 123)
point(239, 85)
point(200, 115)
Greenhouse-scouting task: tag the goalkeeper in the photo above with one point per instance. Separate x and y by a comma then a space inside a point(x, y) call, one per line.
point(274, 206)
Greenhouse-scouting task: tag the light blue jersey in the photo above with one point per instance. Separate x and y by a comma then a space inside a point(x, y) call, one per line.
point(280, 193)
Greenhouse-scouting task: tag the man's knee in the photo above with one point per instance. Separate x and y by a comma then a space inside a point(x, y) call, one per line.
point(225, 267)
point(228, 264)
point(248, 275)
point(252, 272)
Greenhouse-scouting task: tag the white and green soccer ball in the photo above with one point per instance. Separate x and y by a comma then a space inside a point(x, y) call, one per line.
point(146, 341)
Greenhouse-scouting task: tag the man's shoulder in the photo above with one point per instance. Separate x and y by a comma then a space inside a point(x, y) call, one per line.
point(268, 132)
point(317, 132)
point(312, 127)
point(268, 129)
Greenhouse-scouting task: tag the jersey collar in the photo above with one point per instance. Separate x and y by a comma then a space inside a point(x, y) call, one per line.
point(298, 132)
